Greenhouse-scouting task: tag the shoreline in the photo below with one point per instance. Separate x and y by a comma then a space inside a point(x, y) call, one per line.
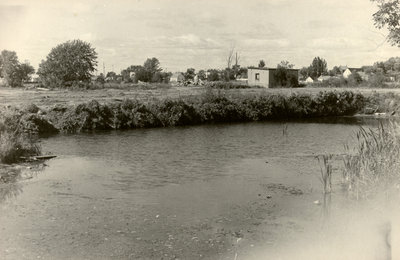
point(212, 106)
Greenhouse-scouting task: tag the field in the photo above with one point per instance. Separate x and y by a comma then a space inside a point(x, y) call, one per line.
point(44, 99)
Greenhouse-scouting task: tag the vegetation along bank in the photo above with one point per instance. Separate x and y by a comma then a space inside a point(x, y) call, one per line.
point(211, 107)
point(20, 126)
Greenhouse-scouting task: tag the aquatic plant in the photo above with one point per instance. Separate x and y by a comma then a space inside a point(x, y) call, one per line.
point(325, 163)
point(373, 166)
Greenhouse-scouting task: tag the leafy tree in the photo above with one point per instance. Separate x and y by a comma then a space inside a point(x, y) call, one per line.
point(304, 72)
point(12, 70)
point(285, 64)
point(334, 71)
point(318, 67)
point(261, 64)
point(243, 72)
point(388, 16)
point(111, 75)
point(202, 75)
point(189, 74)
point(161, 77)
point(281, 74)
point(101, 79)
point(24, 72)
point(149, 69)
point(68, 62)
point(213, 75)
point(284, 78)
point(228, 74)
point(354, 79)
point(380, 67)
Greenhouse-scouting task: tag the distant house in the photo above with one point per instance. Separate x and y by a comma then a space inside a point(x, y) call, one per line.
point(177, 77)
point(346, 71)
point(309, 80)
point(266, 76)
point(323, 78)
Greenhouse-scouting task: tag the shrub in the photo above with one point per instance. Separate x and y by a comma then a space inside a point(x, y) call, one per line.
point(228, 85)
point(15, 145)
point(133, 114)
point(174, 113)
point(377, 81)
point(15, 142)
point(217, 107)
point(87, 116)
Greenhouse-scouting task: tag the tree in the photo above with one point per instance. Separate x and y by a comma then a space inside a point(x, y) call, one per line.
point(12, 70)
point(285, 64)
point(213, 75)
point(334, 71)
point(261, 64)
point(304, 72)
point(101, 79)
point(68, 62)
point(354, 79)
point(202, 75)
point(189, 74)
point(149, 69)
point(388, 16)
point(24, 72)
point(111, 74)
point(283, 76)
point(318, 67)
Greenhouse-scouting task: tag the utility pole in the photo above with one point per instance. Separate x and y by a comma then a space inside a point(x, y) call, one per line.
point(104, 69)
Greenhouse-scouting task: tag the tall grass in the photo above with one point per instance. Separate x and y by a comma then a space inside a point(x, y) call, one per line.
point(325, 163)
point(15, 139)
point(373, 165)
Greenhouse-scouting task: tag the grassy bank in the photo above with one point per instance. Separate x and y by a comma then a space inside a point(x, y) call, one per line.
point(211, 107)
point(214, 106)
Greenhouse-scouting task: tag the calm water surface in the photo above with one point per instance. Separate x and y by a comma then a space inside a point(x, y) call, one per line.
point(187, 192)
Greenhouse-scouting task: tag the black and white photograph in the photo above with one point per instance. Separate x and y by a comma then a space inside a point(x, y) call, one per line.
point(200, 129)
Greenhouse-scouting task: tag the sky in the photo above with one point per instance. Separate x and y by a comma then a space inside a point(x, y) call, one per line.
point(198, 33)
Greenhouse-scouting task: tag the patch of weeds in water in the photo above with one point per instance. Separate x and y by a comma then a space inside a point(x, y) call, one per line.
point(373, 166)
point(325, 163)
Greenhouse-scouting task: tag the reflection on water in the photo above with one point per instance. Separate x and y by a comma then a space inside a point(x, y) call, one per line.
point(11, 177)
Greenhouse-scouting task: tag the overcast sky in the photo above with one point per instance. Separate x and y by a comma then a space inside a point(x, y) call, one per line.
point(198, 34)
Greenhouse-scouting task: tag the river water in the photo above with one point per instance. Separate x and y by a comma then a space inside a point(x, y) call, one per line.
point(201, 192)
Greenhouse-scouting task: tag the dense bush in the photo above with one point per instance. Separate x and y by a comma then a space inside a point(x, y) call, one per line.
point(228, 85)
point(87, 116)
point(133, 114)
point(175, 112)
point(16, 140)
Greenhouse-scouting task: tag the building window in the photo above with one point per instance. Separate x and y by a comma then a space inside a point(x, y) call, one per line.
point(257, 76)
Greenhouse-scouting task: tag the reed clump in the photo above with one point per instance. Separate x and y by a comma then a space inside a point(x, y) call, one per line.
point(325, 163)
point(373, 165)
